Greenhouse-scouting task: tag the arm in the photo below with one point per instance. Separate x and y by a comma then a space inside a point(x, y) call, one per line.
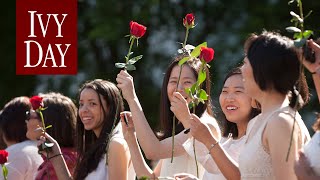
point(226, 164)
point(118, 160)
point(302, 168)
point(152, 147)
point(276, 139)
point(140, 166)
point(58, 162)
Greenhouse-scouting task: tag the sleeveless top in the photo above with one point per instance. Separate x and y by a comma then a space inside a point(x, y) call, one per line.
point(101, 171)
point(312, 151)
point(231, 146)
point(255, 161)
point(186, 162)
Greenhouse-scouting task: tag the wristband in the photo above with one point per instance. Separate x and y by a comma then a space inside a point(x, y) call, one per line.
point(55, 156)
point(212, 146)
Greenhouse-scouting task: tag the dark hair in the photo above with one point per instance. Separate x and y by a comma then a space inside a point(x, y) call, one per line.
point(61, 113)
point(316, 125)
point(12, 119)
point(275, 64)
point(166, 115)
point(90, 148)
point(231, 127)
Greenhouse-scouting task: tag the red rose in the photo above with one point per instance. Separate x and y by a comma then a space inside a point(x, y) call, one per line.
point(36, 102)
point(3, 156)
point(206, 54)
point(188, 21)
point(137, 29)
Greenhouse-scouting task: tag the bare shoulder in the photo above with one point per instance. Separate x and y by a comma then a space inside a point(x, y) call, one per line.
point(118, 146)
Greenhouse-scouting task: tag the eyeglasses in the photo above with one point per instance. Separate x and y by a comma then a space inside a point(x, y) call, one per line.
point(31, 115)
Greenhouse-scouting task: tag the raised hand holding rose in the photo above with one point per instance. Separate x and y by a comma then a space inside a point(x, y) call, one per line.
point(136, 31)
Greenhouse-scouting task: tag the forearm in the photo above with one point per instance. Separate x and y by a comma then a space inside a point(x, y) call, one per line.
point(150, 144)
point(140, 166)
point(60, 168)
point(228, 167)
point(316, 80)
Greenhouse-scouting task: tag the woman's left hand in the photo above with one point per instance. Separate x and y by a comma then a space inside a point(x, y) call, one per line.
point(127, 125)
point(302, 166)
point(179, 106)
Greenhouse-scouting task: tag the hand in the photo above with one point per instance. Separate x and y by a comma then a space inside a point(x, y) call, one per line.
point(179, 106)
point(185, 176)
point(201, 131)
point(127, 125)
point(312, 67)
point(125, 84)
point(302, 166)
point(54, 150)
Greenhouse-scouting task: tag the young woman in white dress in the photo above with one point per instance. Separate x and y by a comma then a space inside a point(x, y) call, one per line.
point(271, 76)
point(99, 157)
point(238, 109)
point(159, 148)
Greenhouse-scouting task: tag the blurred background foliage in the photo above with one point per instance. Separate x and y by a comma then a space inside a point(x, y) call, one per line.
point(102, 25)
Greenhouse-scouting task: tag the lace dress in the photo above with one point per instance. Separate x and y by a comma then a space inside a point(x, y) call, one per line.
point(255, 161)
point(312, 151)
point(232, 146)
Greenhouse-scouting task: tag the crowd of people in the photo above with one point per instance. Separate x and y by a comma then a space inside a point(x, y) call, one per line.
point(253, 138)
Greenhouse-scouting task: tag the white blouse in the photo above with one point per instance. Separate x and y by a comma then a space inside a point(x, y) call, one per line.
point(312, 151)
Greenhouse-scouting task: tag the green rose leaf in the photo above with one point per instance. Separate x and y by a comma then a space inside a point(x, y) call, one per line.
point(293, 29)
point(307, 34)
point(203, 95)
point(130, 67)
point(135, 59)
point(5, 171)
point(183, 60)
point(120, 65)
point(202, 76)
point(196, 51)
point(48, 126)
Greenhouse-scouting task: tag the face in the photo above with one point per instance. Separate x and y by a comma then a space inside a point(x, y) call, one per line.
point(249, 83)
point(91, 111)
point(33, 126)
point(187, 79)
point(234, 102)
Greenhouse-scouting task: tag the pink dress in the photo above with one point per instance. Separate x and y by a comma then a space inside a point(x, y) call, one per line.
point(46, 168)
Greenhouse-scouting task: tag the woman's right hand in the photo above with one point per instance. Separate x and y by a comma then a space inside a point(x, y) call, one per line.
point(54, 150)
point(125, 84)
point(201, 131)
point(312, 67)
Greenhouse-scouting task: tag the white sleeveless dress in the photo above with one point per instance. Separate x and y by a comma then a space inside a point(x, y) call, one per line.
point(254, 160)
point(101, 173)
point(312, 151)
point(186, 162)
point(231, 146)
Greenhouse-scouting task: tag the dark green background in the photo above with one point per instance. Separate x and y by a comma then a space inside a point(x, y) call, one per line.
point(104, 23)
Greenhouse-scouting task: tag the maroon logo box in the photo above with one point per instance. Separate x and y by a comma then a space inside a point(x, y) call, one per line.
point(46, 37)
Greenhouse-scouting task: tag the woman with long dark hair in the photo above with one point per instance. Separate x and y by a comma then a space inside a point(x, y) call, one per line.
point(102, 151)
point(172, 98)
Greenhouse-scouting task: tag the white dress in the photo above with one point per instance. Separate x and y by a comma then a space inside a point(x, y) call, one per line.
point(231, 146)
point(101, 171)
point(186, 162)
point(23, 161)
point(312, 151)
point(255, 161)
